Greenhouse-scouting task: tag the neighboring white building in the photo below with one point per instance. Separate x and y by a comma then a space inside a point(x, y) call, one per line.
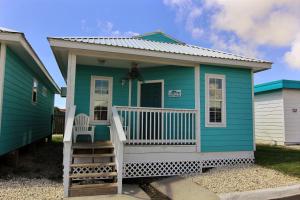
point(277, 112)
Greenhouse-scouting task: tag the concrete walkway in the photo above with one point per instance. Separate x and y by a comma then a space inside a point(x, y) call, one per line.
point(181, 189)
point(130, 192)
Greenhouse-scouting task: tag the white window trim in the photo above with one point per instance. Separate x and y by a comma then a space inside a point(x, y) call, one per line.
point(224, 115)
point(110, 86)
point(37, 89)
point(151, 81)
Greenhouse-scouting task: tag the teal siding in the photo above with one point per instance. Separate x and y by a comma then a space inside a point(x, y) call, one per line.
point(175, 78)
point(238, 134)
point(82, 91)
point(22, 121)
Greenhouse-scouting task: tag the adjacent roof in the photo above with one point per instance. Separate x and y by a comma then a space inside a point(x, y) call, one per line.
point(17, 41)
point(277, 85)
point(145, 44)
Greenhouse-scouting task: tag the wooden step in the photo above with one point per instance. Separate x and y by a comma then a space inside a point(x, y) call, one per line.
point(93, 175)
point(93, 189)
point(96, 145)
point(100, 155)
point(92, 164)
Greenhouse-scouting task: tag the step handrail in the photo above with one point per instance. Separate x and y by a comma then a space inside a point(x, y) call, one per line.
point(68, 148)
point(118, 138)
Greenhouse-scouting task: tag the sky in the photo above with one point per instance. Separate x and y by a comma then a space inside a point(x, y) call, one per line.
point(268, 29)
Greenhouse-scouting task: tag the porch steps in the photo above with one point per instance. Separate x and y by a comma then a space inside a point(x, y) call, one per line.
point(92, 175)
point(93, 164)
point(93, 169)
point(100, 155)
point(93, 189)
point(96, 145)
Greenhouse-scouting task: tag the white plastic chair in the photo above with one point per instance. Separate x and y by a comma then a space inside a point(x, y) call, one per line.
point(82, 127)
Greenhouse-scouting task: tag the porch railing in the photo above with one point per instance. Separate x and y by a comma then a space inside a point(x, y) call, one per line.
point(118, 138)
point(143, 125)
point(68, 148)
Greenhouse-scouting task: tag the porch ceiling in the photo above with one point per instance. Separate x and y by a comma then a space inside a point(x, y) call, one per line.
point(114, 60)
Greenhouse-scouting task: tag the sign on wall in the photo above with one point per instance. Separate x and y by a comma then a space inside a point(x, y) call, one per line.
point(174, 93)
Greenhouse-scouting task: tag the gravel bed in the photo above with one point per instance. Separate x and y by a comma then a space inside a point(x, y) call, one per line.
point(242, 178)
point(24, 188)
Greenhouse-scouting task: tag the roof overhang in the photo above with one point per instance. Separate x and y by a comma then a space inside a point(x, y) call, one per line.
point(61, 48)
point(18, 43)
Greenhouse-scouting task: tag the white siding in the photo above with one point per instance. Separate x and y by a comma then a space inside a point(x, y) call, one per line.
point(269, 117)
point(292, 119)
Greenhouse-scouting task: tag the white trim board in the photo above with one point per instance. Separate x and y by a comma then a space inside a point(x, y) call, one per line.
point(151, 81)
point(197, 107)
point(2, 73)
point(182, 156)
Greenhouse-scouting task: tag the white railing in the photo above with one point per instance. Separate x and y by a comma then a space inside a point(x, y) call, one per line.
point(68, 148)
point(158, 125)
point(117, 136)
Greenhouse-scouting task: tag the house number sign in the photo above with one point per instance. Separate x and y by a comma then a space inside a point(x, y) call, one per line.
point(174, 93)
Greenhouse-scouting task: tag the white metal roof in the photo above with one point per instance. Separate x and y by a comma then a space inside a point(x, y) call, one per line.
point(143, 44)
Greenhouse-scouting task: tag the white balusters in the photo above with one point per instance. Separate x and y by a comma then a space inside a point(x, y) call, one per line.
point(158, 125)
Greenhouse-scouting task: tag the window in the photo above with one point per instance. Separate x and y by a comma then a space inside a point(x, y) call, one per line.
point(45, 92)
point(101, 92)
point(34, 91)
point(215, 100)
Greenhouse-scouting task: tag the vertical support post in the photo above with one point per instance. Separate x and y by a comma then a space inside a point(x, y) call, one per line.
point(70, 82)
point(253, 110)
point(2, 72)
point(120, 167)
point(197, 107)
point(69, 103)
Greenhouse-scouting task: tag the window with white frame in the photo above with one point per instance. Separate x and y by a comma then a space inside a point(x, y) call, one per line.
point(101, 98)
point(215, 100)
point(34, 90)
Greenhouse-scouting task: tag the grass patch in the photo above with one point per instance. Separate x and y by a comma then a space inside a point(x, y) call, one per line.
point(279, 158)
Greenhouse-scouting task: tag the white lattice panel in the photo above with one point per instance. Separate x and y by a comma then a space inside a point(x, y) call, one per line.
point(98, 169)
point(147, 169)
point(227, 162)
point(161, 168)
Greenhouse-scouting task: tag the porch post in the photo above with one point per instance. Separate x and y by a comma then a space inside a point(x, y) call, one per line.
point(69, 102)
point(70, 81)
point(197, 107)
point(2, 71)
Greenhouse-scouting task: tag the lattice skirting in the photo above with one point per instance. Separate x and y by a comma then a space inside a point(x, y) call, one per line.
point(83, 170)
point(148, 169)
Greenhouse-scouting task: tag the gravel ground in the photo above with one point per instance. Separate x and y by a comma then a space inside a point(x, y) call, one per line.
point(243, 178)
point(30, 189)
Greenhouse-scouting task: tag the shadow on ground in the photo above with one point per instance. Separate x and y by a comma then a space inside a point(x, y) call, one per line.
point(39, 160)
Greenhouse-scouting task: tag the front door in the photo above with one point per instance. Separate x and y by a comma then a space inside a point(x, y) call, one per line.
point(151, 96)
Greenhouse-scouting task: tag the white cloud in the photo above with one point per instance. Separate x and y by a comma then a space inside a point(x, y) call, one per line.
point(104, 28)
point(292, 57)
point(242, 26)
point(189, 12)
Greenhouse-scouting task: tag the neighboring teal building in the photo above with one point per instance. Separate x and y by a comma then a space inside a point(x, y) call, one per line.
point(182, 107)
point(26, 93)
